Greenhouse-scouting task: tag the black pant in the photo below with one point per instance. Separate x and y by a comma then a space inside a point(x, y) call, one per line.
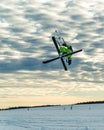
point(69, 61)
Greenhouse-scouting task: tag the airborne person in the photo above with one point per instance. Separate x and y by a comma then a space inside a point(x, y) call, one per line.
point(64, 50)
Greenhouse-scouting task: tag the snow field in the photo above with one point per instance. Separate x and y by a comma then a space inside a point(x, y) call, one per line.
point(76, 117)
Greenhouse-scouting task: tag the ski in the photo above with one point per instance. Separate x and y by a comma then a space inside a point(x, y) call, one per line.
point(50, 60)
point(57, 48)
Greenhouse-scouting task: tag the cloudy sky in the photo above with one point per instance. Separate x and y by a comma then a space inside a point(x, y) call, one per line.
point(26, 28)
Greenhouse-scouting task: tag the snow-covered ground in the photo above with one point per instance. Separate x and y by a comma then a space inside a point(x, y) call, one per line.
point(78, 117)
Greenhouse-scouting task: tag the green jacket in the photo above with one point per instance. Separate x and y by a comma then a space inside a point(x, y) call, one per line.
point(65, 50)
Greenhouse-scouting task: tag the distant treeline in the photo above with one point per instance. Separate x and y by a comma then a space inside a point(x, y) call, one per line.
point(24, 107)
point(27, 107)
point(90, 102)
point(11, 108)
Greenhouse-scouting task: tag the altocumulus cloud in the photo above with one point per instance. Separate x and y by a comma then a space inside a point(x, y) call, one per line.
point(25, 40)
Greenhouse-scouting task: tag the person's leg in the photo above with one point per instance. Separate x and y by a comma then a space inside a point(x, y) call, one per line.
point(69, 61)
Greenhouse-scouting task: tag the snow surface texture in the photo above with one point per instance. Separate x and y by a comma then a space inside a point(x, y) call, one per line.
point(76, 117)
